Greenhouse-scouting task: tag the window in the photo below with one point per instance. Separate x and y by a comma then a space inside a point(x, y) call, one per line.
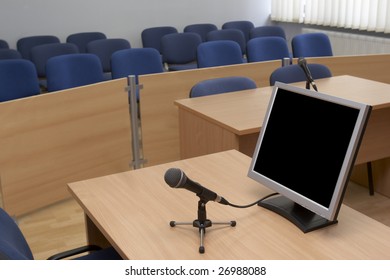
point(369, 15)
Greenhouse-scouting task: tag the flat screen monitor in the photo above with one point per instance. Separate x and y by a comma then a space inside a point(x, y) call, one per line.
point(305, 153)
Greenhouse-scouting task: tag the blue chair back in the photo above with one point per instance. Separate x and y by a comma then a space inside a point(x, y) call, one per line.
point(179, 50)
point(24, 45)
point(81, 39)
point(294, 73)
point(219, 53)
point(311, 45)
point(201, 28)
point(41, 53)
point(18, 79)
point(229, 34)
point(4, 44)
point(267, 30)
point(221, 85)
point(73, 70)
point(9, 54)
point(104, 48)
point(244, 25)
point(135, 61)
point(267, 48)
point(13, 245)
point(151, 37)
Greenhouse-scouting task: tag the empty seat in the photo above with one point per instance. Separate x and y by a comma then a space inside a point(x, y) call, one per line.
point(221, 85)
point(18, 79)
point(25, 44)
point(4, 44)
point(219, 53)
point(229, 34)
point(9, 54)
point(244, 25)
point(201, 28)
point(267, 48)
point(267, 30)
point(311, 45)
point(151, 37)
point(81, 39)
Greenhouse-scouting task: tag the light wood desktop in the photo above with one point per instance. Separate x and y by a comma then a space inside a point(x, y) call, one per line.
point(233, 121)
point(132, 211)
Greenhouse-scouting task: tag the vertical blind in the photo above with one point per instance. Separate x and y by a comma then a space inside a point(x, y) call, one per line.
point(369, 15)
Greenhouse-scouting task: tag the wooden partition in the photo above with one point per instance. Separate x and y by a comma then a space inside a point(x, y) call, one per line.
point(159, 116)
point(52, 139)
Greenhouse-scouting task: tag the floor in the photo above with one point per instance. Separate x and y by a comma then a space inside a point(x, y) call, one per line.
point(61, 226)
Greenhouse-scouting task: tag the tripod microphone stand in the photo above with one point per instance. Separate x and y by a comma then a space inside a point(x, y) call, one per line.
point(202, 222)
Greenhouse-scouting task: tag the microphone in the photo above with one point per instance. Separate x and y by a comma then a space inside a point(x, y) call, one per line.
point(176, 178)
point(303, 64)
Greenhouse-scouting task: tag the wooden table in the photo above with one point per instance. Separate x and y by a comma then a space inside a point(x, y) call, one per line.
point(132, 211)
point(233, 121)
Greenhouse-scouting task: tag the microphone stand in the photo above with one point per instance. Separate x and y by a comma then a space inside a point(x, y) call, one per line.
point(202, 222)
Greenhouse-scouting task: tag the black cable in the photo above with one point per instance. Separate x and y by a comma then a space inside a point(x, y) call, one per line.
point(254, 203)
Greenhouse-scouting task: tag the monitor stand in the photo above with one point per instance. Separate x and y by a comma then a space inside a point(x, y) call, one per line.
point(303, 218)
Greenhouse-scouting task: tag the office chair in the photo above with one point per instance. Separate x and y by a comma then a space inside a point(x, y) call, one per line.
point(136, 61)
point(9, 54)
point(18, 79)
point(201, 28)
point(267, 48)
point(151, 37)
point(244, 25)
point(25, 44)
point(219, 53)
point(229, 34)
point(104, 48)
point(221, 85)
point(294, 73)
point(179, 50)
point(13, 245)
point(41, 53)
point(73, 70)
point(311, 45)
point(267, 30)
point(4, 44)
point(81, 39)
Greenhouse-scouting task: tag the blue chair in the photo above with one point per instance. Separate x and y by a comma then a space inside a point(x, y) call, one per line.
point(219, 53)
point(151, 37)
point(18, 79)
point(179, 50)
point(9, 54)
point(221, 85)
point(104, 48)
point(229, 34)
point(136, 61)
point(25, 44)
point(4, 44)
point(81, 39)
point(267, 30)
point(311, 45)
point(73, 70)
point(13, 245)
point(244, 25)
point(267, 48)
point(294, 73)
point(201, 28)
point(41, 53)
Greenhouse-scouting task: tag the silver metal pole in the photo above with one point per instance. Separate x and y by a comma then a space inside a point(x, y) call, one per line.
point(135, 122)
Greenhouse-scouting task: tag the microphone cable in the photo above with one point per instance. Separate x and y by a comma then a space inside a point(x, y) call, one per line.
point(254, 203)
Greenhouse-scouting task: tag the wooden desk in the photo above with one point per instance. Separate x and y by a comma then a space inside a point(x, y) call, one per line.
point(132, 210)
point(233, 120)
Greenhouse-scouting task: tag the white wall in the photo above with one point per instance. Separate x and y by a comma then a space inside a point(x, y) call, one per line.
point(120, 18)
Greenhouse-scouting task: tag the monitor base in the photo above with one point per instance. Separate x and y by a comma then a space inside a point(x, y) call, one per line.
point(303, 218)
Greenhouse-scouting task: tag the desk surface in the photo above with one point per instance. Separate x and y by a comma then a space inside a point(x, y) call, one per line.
point(133, 210)
point(242, 112)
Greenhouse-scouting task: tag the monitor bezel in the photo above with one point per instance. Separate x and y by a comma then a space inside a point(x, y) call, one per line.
point(329, 213)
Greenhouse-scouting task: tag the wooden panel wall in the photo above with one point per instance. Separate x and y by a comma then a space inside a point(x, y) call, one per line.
point(52, 139)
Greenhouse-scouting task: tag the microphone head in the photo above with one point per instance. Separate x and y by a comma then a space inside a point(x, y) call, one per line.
point(175, 178)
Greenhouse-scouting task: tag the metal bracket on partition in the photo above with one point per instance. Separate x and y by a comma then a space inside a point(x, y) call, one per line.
point(136, 132)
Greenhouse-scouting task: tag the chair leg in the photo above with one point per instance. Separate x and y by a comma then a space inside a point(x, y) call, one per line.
point(370, 178)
